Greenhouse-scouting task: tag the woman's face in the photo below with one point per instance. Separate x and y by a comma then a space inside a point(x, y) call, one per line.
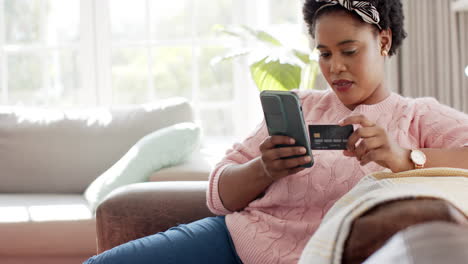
point(350, 58)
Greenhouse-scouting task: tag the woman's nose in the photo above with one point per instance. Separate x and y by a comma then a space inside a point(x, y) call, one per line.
point(337, 65)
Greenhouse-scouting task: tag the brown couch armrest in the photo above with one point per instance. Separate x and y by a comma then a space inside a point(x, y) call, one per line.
point(143, 209)
point(370, 231)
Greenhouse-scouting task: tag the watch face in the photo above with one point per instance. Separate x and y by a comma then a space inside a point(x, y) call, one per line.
point(418, 157)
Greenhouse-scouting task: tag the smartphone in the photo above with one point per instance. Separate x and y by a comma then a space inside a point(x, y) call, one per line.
point(283, 116)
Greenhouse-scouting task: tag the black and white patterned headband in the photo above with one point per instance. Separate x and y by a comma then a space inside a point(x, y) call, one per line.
point(364, 9)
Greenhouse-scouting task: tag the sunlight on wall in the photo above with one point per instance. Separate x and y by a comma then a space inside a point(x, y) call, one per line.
point(13, 214)
point(59, 212)
point(41, 213)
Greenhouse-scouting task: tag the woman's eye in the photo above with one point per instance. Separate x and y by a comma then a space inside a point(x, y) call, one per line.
point(325, 54)
point(349, 52)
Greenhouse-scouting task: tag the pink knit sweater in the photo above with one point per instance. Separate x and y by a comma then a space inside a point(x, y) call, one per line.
point(276, 227)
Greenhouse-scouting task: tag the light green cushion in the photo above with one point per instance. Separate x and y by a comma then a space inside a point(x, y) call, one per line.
point(163, 148)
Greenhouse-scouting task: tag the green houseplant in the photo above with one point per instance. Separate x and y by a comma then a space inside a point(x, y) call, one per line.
point(273, 65)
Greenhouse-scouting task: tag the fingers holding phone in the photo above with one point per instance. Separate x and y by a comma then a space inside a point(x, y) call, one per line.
point(284, 117)
point(281, 157)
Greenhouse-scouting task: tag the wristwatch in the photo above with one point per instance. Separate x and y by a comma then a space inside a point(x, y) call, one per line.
point(418, 158)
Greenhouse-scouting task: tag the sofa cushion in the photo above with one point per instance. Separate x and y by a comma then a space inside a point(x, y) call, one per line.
point(163, 148)
point(197, 168)
point(63, 151)
point(46, 224)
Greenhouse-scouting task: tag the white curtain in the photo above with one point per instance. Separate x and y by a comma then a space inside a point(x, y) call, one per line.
point(462, 22)
point(432, 59)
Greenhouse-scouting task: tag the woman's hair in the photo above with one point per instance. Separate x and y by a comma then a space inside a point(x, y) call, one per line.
point(390, 11)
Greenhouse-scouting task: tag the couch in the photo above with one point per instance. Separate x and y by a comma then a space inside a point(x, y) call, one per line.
point(143, 209)
point(48, 157)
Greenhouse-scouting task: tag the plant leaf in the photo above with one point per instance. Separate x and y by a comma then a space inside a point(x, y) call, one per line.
point(263, 36)
point(272, 75)
point(304, 57)
point(231, 31)
point(230, 55)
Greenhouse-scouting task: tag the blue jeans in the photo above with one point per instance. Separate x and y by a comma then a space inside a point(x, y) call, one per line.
point(203, 241)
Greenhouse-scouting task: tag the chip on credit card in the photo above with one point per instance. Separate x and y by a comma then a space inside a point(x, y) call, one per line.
point(329, 137)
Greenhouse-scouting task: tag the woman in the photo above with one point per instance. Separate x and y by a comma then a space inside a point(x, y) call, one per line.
point(271, 206)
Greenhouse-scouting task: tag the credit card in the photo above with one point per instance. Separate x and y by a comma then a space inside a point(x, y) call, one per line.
point(329, 137)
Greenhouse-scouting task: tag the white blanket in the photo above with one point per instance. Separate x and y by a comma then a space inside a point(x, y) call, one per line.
point(327, 244)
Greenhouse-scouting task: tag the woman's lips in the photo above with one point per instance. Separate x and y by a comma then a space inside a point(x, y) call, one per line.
point(342, 85)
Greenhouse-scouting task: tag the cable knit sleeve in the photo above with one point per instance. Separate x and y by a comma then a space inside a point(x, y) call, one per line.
point(441, 126)
point(239, 153)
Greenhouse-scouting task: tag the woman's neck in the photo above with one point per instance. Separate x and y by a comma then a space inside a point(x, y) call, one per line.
point(379, 94)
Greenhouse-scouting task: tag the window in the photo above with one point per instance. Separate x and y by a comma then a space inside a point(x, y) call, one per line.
point(39, 55)
point(108, 52)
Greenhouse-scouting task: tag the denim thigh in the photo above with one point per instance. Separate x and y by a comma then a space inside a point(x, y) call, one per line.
point(203, 241)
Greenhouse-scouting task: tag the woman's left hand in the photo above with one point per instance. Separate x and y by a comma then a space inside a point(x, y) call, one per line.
point(375, 145)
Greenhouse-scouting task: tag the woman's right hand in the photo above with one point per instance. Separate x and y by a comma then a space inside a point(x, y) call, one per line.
point(273, 159)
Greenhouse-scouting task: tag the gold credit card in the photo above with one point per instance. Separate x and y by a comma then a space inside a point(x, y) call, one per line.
point(329, 137)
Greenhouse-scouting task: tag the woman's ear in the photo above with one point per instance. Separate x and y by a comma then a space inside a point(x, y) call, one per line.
point(385, 37)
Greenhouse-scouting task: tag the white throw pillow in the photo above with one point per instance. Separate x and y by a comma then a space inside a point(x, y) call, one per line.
point(163, 148)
